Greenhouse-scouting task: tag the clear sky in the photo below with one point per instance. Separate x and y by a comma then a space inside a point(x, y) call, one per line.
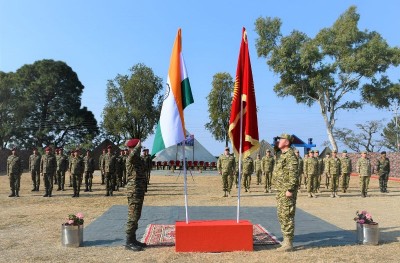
point(100, 39)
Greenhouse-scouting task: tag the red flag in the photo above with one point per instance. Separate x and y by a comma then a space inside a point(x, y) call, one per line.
point(244, 93)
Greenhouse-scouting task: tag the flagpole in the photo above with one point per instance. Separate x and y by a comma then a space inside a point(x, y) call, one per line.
point(185, 181)
point(240, 160)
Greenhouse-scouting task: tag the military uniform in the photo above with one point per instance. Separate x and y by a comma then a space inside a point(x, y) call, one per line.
point(286, 179)
point(147, 166)
point(383, 169)
point(62, 166)
point(77, 168)
point(346, 169)
point(258, 169)
point(300, 167)
point(34, 169)
point(325, 171)
point(311, 171)
point(248, 168)
point(364, 170)
point(124, 157)
point(320, 162)
point(48, 166)
point(226, 166)
point(109, 164)
point(14, 171)
point(101, 163)
point(117, 180)
point(236, 173)
point(267, 169)
point(88, 163)
point(135, 190)
point(334, 171)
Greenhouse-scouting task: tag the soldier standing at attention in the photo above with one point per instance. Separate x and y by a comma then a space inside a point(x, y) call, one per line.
point(320, 170)
point(364, 170)
point(101, 160)
point(77, 168)
point(34, 168)
point(311, 170)
point(258, 168)
point(71, 156)
point(267, 169)
point(236, 173)
point(248, 168)
point(123, 179)
point(109, 164)
point(147, 165)
point(286, 180)
point(88, 170)
point(346, 170)
point(225, 166)
point(334, 170)
point(135, 192)
point(118, 171)
point(383, 169)
point(48, 166)
point(300, 166)
point(14, 171)
point(325, 166)
point(62, 166)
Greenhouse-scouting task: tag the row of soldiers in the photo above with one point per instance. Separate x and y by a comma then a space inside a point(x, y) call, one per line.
point(113, 169)
point(336, 171)
point(54, 167)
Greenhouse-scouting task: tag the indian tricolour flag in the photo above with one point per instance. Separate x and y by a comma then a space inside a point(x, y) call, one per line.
point(171, 127)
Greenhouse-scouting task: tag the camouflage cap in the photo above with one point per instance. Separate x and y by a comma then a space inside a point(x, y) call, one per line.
point(296, 151)
point(310, 151)
point(383, 152)
point(334, 151)
point(227, 149)
point(363, 151)
point(286, 136)
point(344, 151)
point(316, 151)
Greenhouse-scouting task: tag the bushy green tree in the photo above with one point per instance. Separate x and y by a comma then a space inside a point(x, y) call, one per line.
point(219, 106)
point(338, 61)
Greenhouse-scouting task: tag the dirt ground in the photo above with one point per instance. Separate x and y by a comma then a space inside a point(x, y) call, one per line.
point(30, 225)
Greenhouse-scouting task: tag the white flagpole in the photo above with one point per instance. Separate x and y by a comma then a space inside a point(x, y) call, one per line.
point(240, 160)
point(185, 180)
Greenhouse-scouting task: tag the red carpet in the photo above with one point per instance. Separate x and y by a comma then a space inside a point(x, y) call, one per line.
point(164, 235)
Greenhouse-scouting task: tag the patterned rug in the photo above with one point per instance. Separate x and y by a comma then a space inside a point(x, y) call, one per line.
point(164, 235)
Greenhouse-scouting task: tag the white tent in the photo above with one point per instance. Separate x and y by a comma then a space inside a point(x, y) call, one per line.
point(197, 152)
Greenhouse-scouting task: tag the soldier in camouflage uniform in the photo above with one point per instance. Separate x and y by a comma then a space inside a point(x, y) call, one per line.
point(346, 170)
point(147, 165)
point(124, 156)
point(325, 171)
point(71, 156)
point(88, 164)
point(383, 169)
point(62, 166)
point(109, 164)
point(48, 166)
point(248, 168)
point(258, 169)
point(226, 166)
point(319, 172)
point(286, 180)
point(14, 171)
point(101, 161)
point(300, 167)
point(364, 170)
point(77, 168)
point(118, 171)
point(311, 170)
point(34, 168)
point(236, 172)
point(334, 171)
point(135, 190)
point(267, 167)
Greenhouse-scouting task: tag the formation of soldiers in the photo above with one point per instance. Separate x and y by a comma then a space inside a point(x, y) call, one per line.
point(311, 170)
point(53, 168)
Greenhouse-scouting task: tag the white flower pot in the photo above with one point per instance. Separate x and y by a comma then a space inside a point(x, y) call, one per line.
point(71, 236)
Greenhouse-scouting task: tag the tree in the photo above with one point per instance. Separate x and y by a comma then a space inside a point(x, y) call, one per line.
point(364, 140)
point(219, 104)
point(339, 61)
point(13, 109)
point(391, 134)
point(55, 116)
point(133, 104)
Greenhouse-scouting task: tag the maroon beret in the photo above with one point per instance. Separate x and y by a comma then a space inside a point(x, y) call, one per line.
point(48, 149)
point(132, 142)
point(109, 147)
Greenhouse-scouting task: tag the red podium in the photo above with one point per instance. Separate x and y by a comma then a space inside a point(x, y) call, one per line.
point(213, 236)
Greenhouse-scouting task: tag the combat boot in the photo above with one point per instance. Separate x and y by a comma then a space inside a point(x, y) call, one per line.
point(286, 245)
point(332, 195)
point(131, 245)
point(34, 188)
point(336, 195)
point(17, 193)
point(12, 194)
point(314, 195)
point(107, 193)
point(46, 194)
point(309, 195)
